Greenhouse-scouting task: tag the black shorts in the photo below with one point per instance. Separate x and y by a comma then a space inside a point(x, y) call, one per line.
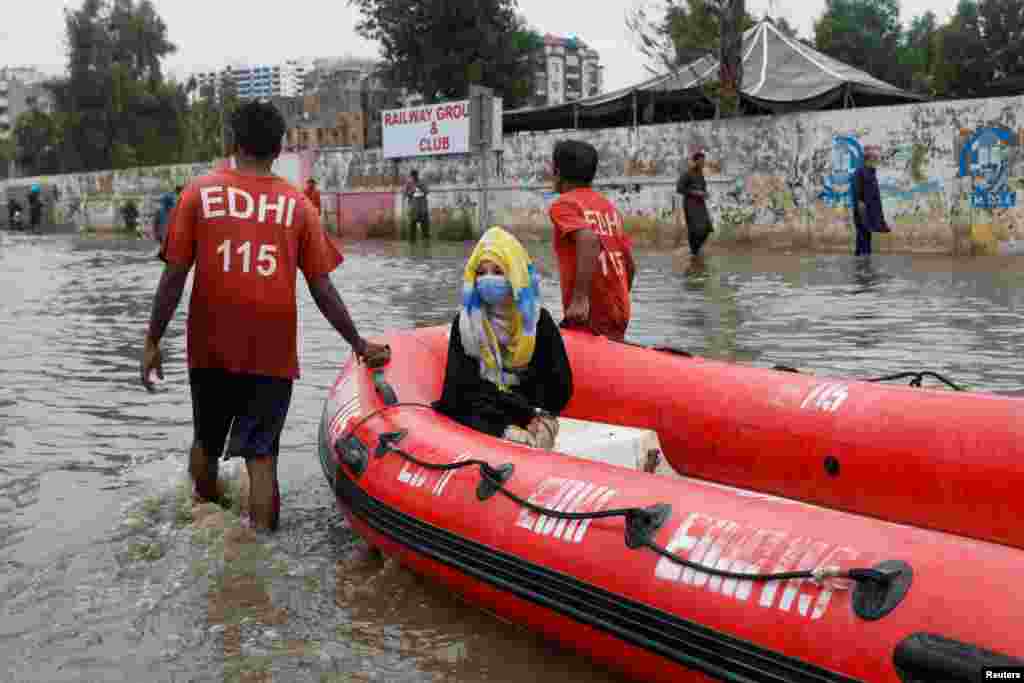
point(252, 408)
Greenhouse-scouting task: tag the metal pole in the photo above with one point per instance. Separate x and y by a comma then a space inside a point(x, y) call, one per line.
point(485, 147)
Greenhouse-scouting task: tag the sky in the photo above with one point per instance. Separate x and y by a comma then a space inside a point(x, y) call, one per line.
point(210, 33)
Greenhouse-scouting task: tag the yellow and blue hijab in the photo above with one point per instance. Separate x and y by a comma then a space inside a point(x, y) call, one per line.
point(502, 338)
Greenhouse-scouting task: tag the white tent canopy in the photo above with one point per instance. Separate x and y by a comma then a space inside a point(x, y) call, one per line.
point(779, 74)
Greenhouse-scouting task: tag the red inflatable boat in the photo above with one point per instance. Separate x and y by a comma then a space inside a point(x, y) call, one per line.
point(672, 578)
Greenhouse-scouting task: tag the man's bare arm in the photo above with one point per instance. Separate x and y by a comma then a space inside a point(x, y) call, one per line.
point(165, 303)
point(328, 300)
point(588, 249)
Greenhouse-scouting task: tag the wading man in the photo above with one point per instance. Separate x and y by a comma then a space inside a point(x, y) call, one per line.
point(248, 233)
point(595, 256)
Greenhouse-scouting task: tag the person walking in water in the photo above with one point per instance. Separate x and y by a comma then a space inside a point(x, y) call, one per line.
point(416, 192)
point(35, 206)
point(248, 233)
point(163, 213)
point(694, 188)
point(595, 256)
point(868, 216)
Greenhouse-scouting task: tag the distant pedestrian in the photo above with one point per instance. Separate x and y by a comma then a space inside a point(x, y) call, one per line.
point(694, 188)
point(595, 256)
point(313, 195)
point(163, 215)
point(13, 214)
point(35, 206)
point(416, 192)
point(867, 201)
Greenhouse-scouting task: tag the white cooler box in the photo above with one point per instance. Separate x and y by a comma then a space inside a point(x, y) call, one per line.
point(629, 447)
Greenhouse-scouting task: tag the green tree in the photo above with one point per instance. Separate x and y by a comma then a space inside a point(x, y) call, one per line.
point(6, 155)
point(983, 42)
point(207, 122)
point(37, 136)
point(688, 32)
point(439, 47)
point(862, 33)
point(120, 111)
point(919, 55)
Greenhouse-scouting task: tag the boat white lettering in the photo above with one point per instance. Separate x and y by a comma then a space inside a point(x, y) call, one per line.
point(601, 503)
point(769, 542)
point(717, 557)
point(827, 397)
point(568, 500)
point(789, 557)
point(547, 487)
point(570, 529)
point(807, 562)
point(682, 542)
point(701, 553)
point(727, 545)
point(831, 585)
point(447, 476)
point(573, 507)
point(553, 502)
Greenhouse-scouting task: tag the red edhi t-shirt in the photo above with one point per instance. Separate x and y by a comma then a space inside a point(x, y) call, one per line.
point(247, 236)
point(586, 209)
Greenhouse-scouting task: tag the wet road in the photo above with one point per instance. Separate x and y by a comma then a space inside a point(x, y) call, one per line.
point(105, 575)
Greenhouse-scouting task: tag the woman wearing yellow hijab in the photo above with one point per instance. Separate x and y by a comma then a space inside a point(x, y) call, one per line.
point(508, 374)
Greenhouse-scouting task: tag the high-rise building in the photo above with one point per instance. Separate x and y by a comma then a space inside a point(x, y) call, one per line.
point(251, 81)
point(22, 89)
point(567, 70)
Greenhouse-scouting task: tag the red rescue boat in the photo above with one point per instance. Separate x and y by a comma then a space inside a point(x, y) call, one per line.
point(661, 576)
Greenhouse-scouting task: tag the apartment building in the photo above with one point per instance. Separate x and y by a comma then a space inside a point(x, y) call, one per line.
point(22, 89)
point(567, 70)
point(253, 81)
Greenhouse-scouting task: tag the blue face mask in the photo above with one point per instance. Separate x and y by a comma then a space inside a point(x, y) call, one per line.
point(494, 289)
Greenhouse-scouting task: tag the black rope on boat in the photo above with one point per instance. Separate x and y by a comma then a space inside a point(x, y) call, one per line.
point(641, 523)
point(917, 378)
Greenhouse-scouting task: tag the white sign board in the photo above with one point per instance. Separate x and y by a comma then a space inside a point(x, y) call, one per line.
point(497, 128)
point(426, 130)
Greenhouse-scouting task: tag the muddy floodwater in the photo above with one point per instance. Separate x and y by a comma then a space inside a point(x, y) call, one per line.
point(108, 574)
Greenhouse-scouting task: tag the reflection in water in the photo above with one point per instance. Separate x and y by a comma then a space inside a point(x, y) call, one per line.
point(79, 438)
point(866, 275)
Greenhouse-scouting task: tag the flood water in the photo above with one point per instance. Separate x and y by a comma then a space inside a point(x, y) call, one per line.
point(106, 576)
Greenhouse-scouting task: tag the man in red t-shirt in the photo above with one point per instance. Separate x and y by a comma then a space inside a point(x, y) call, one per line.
point(313, 195)
point(248, 233)
point(595, 256)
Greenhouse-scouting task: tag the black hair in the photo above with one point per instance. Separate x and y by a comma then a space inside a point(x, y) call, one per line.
point(311, 180)
point(178, 189)
point(575, 161)
point(414, 173)
point(258, 128)
point(698, 155)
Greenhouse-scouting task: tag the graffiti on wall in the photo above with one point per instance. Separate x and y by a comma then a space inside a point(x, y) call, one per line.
point(847, 157)
point(987, 156)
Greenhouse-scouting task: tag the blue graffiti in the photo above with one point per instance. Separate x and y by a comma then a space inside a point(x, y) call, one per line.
point(847, 157)
point(985, 157)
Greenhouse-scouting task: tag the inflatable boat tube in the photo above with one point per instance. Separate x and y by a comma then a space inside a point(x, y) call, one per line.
point(589, 548)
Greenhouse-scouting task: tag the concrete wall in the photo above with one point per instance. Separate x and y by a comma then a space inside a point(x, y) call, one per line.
point(951, 175)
